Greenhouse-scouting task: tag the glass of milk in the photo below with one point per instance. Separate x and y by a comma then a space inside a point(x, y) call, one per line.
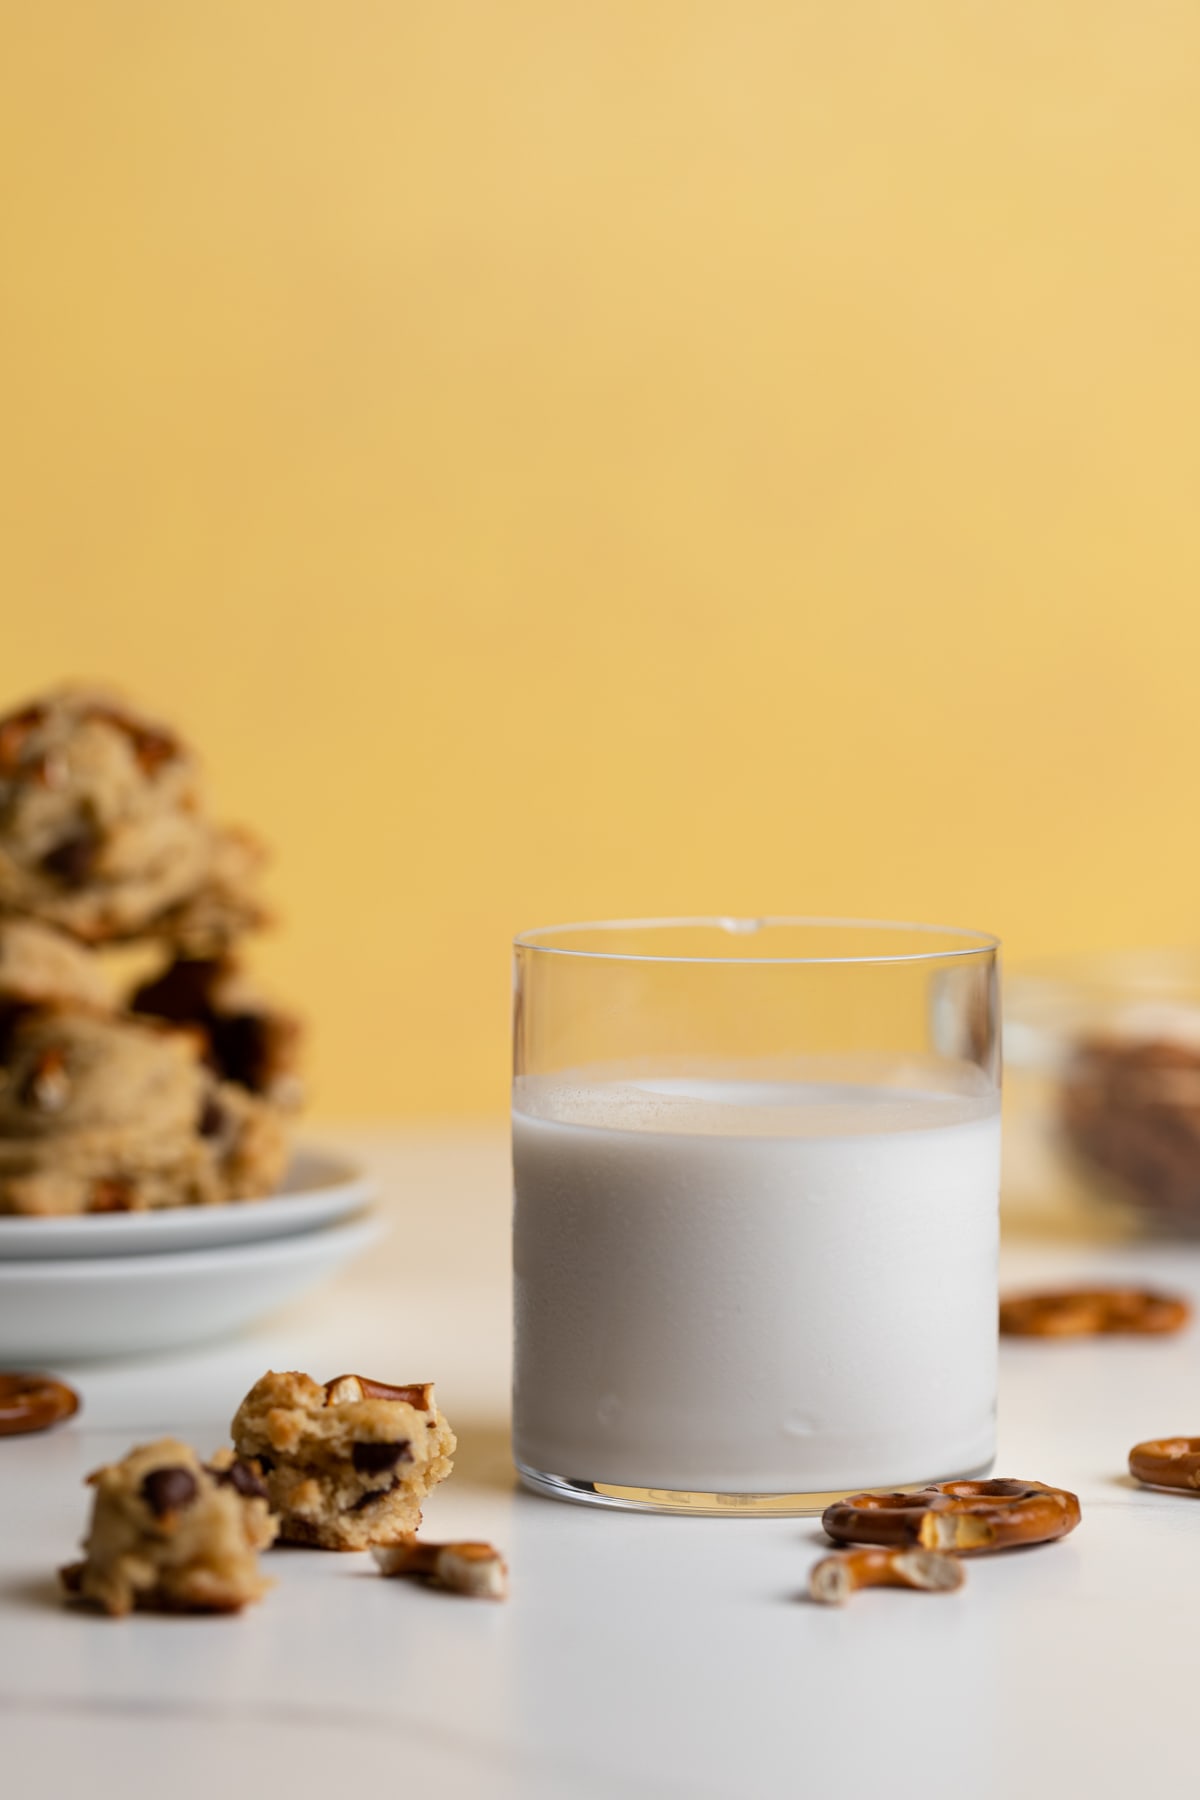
point(756, 1169)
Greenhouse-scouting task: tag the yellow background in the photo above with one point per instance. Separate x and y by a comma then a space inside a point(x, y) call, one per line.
point(573, 459)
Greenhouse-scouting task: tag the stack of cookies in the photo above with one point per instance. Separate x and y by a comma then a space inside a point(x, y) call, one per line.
point(176, 1090)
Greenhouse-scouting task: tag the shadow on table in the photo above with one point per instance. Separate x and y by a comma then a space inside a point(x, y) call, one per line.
point(32, 1591)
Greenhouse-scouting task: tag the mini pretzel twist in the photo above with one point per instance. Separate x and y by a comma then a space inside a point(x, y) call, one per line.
point(833, 1579)
point(1091, 1312)
point(477, 1570)
point(34, 1403)
point(962, 1516)
point(1167, 1463)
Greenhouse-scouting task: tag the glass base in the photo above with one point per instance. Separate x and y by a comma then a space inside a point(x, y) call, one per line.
point(715, 1506)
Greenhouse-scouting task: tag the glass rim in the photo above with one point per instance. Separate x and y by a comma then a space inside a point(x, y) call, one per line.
point(981, 943)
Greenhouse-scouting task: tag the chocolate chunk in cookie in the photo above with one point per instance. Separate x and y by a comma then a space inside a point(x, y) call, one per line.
point(169, 1490)
point(246, 1041)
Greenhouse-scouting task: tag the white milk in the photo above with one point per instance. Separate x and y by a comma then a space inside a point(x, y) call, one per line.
point(734, 1287)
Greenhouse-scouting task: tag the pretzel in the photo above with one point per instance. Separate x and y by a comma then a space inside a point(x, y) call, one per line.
point(1167, 1462)
point(476, 1570)
point(360, 1387)
point(832, 1580)
point(964, 1516)
point(34, 1403)
point(1088, 1312)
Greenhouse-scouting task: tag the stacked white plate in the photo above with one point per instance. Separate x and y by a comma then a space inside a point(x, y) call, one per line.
point(125, 1283)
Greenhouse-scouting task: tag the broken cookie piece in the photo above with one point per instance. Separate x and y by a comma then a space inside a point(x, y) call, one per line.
point(172, 1534)
point(347, 1463)
point(476, 1570)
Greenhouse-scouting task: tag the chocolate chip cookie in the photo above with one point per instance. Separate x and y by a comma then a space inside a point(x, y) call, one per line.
point(172, 1534)
point(102, 1114)
point(102, 830)
point(348, 1463)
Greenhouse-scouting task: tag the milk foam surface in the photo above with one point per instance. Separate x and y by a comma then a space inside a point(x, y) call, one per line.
point(771, 1287)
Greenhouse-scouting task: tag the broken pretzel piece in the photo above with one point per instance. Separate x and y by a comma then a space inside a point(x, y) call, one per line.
point(477, 1570)
point(833, 1579)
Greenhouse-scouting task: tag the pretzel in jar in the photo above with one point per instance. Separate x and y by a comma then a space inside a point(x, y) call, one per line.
point(1092, 1312)
point(961, 1516)
point(1167, 1463)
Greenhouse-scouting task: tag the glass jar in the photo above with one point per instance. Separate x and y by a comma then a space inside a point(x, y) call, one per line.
point(1103, 1094)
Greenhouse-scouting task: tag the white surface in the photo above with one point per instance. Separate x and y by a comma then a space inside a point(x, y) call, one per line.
point(639, 1656)
point(105, 1306)
point(318, 1188)
point(713, 1281)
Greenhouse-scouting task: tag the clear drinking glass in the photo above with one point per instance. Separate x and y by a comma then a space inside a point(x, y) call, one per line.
point(756, 1173)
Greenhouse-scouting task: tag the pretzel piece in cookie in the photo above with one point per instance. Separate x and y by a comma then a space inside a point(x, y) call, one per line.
point(832, 1580)
point(1092, 1312)
point(962, 1516)
point(1167, 1463)
point(476, 1570)
point(361, 1387)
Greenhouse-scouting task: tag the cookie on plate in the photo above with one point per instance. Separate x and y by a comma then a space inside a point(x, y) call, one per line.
point(102, 831)
point(172, 1534)
point(101, 1114)
point(347, 1463)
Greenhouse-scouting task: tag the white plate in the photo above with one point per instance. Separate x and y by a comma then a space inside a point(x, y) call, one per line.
point(318, 1188)
point(60, 1311)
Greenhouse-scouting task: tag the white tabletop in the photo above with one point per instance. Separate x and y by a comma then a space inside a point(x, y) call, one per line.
point(638, 1656)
